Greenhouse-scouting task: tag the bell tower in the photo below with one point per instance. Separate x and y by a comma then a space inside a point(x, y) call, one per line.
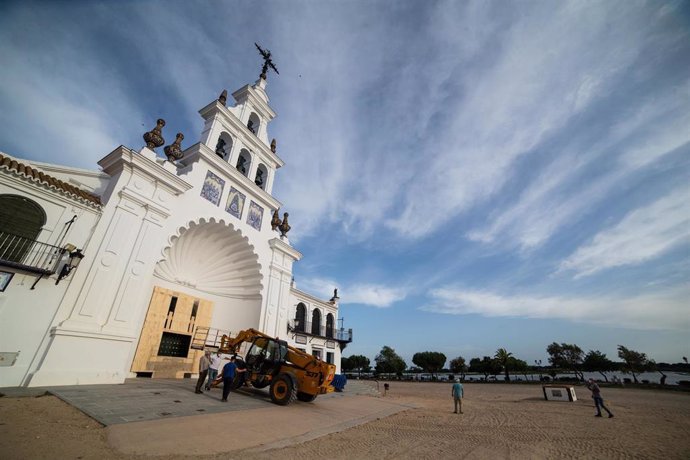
point(239, 134)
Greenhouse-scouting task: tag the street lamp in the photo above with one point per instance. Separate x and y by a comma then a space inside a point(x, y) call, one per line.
point(75, 256)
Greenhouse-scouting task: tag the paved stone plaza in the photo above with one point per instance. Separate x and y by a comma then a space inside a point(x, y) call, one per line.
point(152, 399)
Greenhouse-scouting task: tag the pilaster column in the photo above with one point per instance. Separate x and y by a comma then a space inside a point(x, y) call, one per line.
point(124, 256)
point(274, 315)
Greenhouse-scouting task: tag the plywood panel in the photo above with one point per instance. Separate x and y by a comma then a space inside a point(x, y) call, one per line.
point(150, 338)
point(203, 319)
point(181, 322)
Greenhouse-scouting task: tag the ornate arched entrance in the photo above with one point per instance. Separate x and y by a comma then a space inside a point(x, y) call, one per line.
point(208, 277)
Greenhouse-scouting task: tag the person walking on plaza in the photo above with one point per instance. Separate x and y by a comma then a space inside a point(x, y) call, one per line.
point(229, 371)
point(457, 393)
point(213, 369)
point(204, 363)
point(598, 400)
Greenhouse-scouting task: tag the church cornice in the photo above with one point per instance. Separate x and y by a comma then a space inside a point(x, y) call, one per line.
point(277, 243)
point(144, 163)
point(255, 100)
point(70, 170)
point(301, 295)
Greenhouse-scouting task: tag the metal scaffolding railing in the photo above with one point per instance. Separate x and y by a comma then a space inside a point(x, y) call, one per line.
point(208, 337)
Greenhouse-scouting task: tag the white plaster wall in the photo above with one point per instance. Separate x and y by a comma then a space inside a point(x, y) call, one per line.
point(83, 359)
point(26, 315)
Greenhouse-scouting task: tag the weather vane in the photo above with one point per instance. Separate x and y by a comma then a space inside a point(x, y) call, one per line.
point(267, 61)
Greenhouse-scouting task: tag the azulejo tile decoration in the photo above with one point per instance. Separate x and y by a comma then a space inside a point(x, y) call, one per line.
point(213, 188)
point(235, 202)
point(255, 214)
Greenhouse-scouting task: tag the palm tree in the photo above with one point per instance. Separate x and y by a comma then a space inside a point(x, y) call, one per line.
point(502, 356)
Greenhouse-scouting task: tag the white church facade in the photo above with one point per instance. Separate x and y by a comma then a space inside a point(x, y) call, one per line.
point(133, 269)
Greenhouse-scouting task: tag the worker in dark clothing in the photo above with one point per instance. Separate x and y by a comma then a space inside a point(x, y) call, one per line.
point(229, 371)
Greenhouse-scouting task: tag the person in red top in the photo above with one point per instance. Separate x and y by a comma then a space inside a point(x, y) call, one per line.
point(598, 400)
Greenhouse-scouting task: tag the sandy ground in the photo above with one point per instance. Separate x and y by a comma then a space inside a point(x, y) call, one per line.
point(499, 421)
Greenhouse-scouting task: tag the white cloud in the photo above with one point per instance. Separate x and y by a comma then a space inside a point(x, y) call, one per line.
point(525, 96)
point(381, 128)
point(644, 234)
point(60, 116)
point(374, 295)
point(567, 188)
point(667, 310)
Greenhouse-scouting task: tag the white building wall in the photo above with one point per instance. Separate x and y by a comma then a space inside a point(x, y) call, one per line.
point(306, 341)
point(102, 308)
point(25, 314)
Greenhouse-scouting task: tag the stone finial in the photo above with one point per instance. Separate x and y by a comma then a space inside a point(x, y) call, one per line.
point(223, 98)
point(174, 151)
point(154, 138)
point(273, 146)
point(284, 226)
point(275, 222)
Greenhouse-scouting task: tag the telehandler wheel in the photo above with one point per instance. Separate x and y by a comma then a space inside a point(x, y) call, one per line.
point(260, 383)
point(283, 390)
point(237, 381)
point(305, 397)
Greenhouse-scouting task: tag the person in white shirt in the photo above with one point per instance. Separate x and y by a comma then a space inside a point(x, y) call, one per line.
point(213, 369)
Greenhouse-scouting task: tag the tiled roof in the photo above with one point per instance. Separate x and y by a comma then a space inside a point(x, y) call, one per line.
point(10, 164)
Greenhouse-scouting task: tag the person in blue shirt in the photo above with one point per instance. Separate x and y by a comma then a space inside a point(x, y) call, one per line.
point(457, 394)
point(229, 371)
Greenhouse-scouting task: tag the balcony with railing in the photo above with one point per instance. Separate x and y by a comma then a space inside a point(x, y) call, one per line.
point(29, 255)
point(320, 330)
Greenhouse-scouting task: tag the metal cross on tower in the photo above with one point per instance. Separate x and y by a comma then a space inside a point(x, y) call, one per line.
point(266, 54)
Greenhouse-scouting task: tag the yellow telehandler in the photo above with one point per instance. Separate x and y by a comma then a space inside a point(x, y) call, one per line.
point(291, 373)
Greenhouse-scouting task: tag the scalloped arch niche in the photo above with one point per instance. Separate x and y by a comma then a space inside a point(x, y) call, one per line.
point(214, 258)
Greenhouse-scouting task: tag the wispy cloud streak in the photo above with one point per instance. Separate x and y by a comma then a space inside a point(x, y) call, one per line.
point(638, 312)
point(370, 294)
point(643, 234)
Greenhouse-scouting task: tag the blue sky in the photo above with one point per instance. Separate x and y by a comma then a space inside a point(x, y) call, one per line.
point(470, 175)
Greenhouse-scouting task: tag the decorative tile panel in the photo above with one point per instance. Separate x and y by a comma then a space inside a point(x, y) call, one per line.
point(235, 202)
point(254, 216)
point(213, 188)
